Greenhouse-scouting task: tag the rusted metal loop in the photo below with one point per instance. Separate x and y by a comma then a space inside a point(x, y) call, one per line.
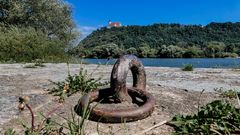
point(104, 115)
point(121, 94)
point(120, 71)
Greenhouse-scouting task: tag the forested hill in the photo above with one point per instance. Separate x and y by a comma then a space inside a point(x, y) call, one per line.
point(164, 40)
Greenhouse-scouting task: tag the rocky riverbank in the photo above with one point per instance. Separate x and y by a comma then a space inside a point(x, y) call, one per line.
point(176, 91)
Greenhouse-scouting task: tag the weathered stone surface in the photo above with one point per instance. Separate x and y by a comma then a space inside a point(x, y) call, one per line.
point(169, 86)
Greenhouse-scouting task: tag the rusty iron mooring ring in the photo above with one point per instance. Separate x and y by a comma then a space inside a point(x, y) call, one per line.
point(121, 94)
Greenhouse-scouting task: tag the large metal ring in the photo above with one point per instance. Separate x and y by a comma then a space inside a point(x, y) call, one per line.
point(118, 91)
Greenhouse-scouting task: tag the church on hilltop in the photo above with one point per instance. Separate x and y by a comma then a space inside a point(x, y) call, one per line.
point(114, 24)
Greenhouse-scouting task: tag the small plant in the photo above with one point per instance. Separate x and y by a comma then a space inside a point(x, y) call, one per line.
point(83, 82)
point(38, 63)
point(227, 93)
point(217, 117)
point(45, 126)
point(30, 66)
point(76, 125)
point(187, 67)
point(48, 126)
point(23, 102)
point(10, 131)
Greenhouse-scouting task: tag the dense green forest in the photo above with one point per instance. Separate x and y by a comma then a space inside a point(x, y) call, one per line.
point(163, 40)
point(35, 29)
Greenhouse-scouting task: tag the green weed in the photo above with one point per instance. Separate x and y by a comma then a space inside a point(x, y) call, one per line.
point(30, 66)
point(82, 82)
point(37, 63)
point(231, 93)
point(187, 67)
point(217, 117)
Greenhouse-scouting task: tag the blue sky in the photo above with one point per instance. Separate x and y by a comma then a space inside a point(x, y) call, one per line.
point(92, 14)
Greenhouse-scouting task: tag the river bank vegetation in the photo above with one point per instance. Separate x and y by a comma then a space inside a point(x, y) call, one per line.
point(164, 41)
point(31, 30)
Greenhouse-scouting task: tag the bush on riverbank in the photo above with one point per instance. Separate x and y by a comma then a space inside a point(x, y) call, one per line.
point(145, 51)
point(28, 44)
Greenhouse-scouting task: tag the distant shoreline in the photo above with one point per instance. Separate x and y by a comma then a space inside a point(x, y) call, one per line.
point(176, 62)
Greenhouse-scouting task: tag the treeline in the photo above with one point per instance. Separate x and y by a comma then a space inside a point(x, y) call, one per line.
point(163, 40)
point(35, 29)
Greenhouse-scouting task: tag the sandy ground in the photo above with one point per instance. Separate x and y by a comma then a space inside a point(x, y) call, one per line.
point(175, 92)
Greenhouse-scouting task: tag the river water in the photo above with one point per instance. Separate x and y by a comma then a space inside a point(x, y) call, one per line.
point(179, 62)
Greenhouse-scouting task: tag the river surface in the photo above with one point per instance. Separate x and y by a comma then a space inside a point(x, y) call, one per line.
point(179, 62)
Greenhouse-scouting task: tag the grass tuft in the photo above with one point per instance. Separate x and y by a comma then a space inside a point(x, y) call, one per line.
point(187, 67)
point(231, 93)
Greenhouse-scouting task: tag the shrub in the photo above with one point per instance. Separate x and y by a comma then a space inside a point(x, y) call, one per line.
point(170, 51)
point(132, 50)
point(217, 117)
point(187, 67)
point(227, 54)
point(192, 52)
point(106, 51)
point(28, 44)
